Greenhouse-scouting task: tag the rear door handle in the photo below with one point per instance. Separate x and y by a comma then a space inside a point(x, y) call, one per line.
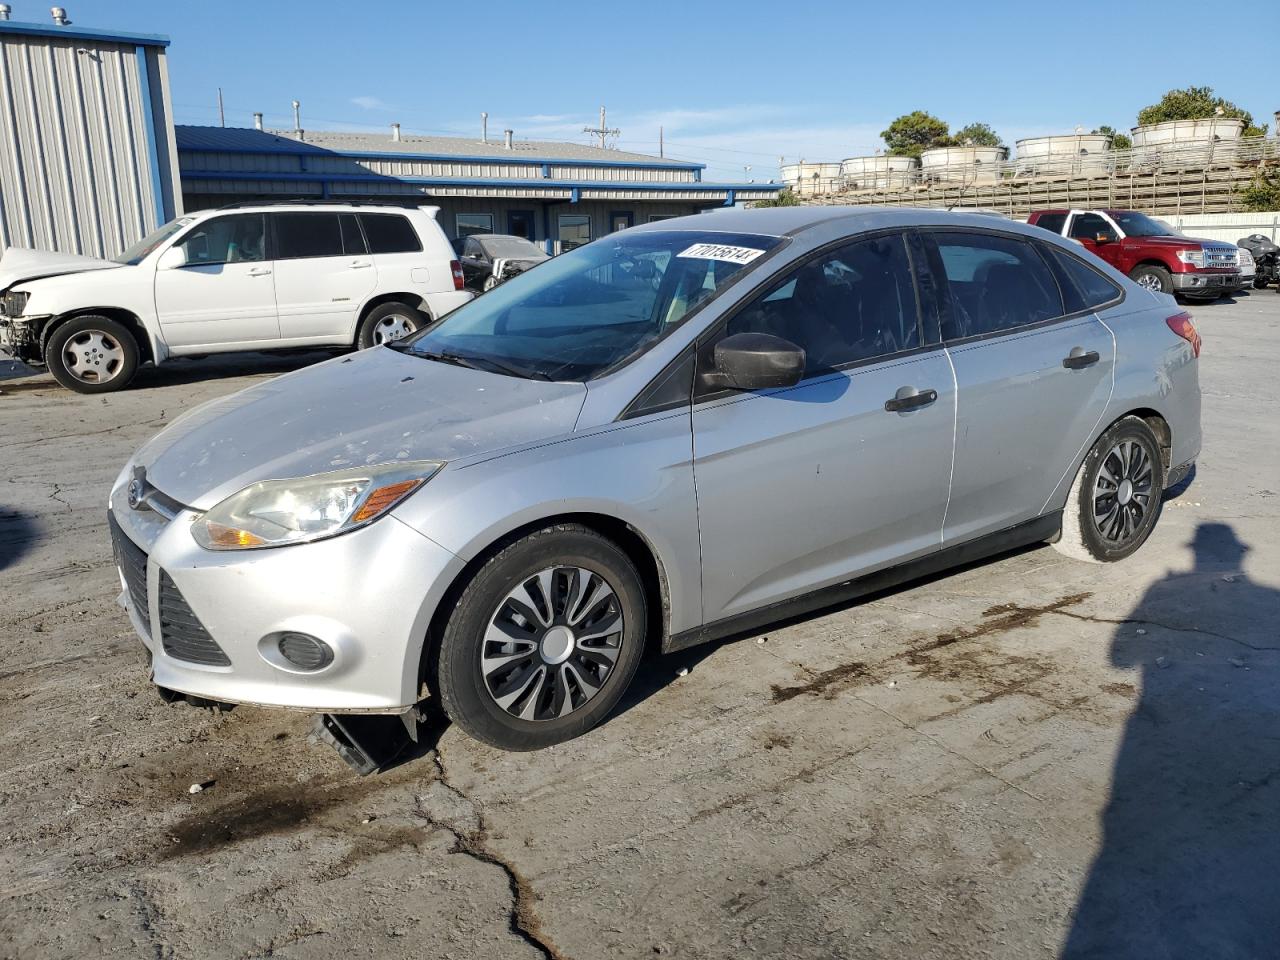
point(259, 272)
point(1078, 359)
point(909, 398)
point(360, 264)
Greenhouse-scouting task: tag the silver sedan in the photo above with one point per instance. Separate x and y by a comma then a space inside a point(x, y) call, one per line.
point(675, 433)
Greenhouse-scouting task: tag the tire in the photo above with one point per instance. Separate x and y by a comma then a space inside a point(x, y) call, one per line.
point(92, 354)
point(1259, 283)
point(1152, 278)
point(489, 283)
point(1084, 536)
point(388, 322)
point(517, 700)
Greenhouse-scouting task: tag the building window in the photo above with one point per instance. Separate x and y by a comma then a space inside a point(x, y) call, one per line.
point(655, 217)
point(574, 230)
point(469, 223)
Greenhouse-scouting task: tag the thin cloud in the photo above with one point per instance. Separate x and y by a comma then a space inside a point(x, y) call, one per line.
point(370, 103)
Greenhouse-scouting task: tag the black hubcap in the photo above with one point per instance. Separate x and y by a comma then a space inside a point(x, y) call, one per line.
point(1122, 491)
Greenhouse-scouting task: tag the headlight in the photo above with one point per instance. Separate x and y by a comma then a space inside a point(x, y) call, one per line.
point(275, 513)
point(13, 303)
point(1193, 258)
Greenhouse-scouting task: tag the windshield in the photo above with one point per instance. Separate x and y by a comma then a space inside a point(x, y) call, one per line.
point(512, 248)
point(1140, 225)
point(139, 251)
point(587, 310)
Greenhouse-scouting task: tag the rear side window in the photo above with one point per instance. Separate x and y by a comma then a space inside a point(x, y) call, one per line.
point(1083, 287)
point(390, 233)
point(304, 235)
point(856, 303)
point(996, 283)
point(1052, 222)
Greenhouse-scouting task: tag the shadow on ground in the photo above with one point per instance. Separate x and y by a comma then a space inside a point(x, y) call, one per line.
point(1189, 865)
point(18, 532)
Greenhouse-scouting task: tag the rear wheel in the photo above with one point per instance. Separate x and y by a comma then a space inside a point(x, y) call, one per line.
point(544, 640)
point(387, 323)
point(1153, 278)
point(92, 354)
point(1116, 498)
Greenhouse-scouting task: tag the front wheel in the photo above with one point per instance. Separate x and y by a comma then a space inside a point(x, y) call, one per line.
point(387, 323)
point(1154, 278)
point(92, 354)
point(1116, 498)
point(544, 640)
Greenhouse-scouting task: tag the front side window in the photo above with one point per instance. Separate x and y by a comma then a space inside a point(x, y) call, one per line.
point(856, 303)
point(574, 231)
point(390, 233)
point(593, 308)
point(237, 238)
point(301, 236)
point(996, 283)
point(469, 223)
point(1087, 226)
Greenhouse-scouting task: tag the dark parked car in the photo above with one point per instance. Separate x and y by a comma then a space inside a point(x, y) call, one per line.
point(489, 258)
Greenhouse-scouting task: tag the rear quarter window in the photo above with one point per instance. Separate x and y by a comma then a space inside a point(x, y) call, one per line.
point(1052, 222)
point(1083, 287)
point(390, 233)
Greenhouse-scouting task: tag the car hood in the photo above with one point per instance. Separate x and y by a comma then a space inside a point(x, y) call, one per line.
point(18, 264)
point(376, 406)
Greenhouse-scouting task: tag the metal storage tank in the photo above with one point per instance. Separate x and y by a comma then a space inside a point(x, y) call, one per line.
point(812, 179)
point(878, 173)
point(967, 164)
point(1187, 142)
point(87, 157)
point(1073, 154)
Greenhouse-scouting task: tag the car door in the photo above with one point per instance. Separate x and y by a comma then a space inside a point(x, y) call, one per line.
point(475, 263)
point(1085, 228)
point(806, 486)
point(222, 297)
point(324, 274)
point(1032, 379)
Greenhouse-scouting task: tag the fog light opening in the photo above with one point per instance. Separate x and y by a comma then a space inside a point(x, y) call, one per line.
point(304, 651)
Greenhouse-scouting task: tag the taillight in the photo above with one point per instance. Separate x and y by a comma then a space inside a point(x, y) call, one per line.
point(459, 280)
point(1180, 323)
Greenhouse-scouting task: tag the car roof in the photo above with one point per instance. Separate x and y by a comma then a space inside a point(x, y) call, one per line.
point(790, 221)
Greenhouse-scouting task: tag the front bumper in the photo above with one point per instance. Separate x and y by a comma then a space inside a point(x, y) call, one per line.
point(1195, 282)
point(368, 594)
point(20, 337)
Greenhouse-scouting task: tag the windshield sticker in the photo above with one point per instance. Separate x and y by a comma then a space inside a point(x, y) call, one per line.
point(720, 251)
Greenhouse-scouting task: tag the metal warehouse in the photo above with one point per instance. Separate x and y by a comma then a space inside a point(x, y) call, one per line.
point(88, 162)
point(558, 194)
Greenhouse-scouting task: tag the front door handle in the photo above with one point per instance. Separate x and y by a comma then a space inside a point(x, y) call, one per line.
point(909, 398)
point(360, 264)
point(260, 272)
point(1078, 358)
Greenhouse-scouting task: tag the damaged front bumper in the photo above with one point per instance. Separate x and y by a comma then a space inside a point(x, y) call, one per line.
point(21, 337)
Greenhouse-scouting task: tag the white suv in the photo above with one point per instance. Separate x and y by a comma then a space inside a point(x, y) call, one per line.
point(256, 276)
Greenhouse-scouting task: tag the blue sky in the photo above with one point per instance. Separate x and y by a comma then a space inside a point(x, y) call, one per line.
point(734, 84)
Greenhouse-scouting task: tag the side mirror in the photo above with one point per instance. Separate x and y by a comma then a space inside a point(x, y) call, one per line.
point(757, 361)
point(172, 258)
point(1104, 237)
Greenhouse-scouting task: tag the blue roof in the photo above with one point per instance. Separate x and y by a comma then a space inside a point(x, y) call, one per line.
point(382, 147)
point(83, 33)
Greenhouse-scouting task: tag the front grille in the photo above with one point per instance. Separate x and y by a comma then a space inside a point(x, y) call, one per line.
point(182, 634)
point(12, 304)
point(132, 561)
point(1220, 256)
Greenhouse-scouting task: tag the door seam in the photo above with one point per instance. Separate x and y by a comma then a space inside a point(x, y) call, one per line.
point(955, 428)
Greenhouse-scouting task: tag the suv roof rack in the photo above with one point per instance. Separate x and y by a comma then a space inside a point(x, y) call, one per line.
point(407, 203)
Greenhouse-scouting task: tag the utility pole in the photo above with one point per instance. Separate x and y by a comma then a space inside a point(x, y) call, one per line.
point(222, 117)
point(601, 131)
point(661, 144)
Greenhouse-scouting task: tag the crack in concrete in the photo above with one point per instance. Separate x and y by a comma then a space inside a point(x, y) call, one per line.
point(149, 913)
point(57, 495)
point(523, 917)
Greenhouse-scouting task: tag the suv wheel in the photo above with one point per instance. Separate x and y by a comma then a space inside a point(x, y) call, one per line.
point(92, 355)
point(387, 322)
point(1152, 278)
point(1115, 501)
point(544, 640)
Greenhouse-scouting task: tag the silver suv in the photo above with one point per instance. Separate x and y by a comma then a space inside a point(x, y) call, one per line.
point(678, 432)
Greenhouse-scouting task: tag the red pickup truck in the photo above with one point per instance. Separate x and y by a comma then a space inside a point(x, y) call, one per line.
point(1148, 251)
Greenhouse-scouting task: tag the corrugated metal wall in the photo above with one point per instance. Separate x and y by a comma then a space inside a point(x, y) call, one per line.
point(76, 167)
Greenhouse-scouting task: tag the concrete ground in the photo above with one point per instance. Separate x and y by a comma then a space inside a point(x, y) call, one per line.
point(1026, 758)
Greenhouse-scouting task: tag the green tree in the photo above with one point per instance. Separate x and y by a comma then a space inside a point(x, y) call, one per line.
point(1196, 103)
point(977, 135)
point(1264, 193)
point(1119, 141)
point(913, 133)
point(785, 198)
